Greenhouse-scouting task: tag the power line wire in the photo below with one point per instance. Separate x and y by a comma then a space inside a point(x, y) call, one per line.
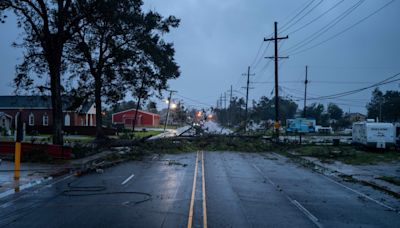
point(342, 94)
point(299, 13)
point(258, 52)
point(262, 56)
point(193, 100)
point(346, 29)
point(298, 20)
point(316, 18)
point(326, 28)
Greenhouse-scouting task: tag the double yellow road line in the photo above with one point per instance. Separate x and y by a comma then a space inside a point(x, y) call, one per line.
point(190, 218)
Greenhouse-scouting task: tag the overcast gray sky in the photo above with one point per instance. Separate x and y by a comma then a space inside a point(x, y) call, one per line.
point(218, 40)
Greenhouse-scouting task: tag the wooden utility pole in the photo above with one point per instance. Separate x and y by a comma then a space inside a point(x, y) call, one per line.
point(138, 105)
point(169, 105)
point(247, 97)
point(225, 100)
point(230, 107)
point(305, 95)
point(230, 97)
point(276, 58)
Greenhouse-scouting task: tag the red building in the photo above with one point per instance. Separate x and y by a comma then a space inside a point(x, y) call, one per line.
point(36, 111)
point(143, 119)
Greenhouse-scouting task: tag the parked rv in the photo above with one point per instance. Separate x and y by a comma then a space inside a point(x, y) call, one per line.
point(375, 135)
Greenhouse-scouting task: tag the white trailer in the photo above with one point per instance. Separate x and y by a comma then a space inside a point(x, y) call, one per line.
point(376, 135)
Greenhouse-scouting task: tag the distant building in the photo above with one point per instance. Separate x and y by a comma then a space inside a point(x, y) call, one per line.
point(36, 111)
point(5, 122)
point(355, 117)
point(144, 119)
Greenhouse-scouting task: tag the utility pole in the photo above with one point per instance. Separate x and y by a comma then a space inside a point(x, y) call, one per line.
point(247, 97)
point(230, 98)
point(230, 108)
point(169, 105)
point(305, 95)
point(381, 100)
point(138, 105)
point(225, 100)
point(276, 57)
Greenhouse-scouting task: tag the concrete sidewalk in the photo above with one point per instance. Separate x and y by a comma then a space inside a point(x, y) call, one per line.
point(366, 174)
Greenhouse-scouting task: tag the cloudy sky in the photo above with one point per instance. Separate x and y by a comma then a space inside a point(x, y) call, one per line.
point(218, 40)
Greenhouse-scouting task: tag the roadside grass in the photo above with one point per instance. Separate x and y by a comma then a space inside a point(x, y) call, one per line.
point(48, 138)
point(80, 139)
point(6, 138)
point(346, 154)
point(137, 134)
point(141, 134)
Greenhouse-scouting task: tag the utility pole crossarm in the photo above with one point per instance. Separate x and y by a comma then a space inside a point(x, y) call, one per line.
point(276, 38)
point(280, 57)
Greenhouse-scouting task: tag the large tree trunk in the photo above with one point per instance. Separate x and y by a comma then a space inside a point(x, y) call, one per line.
point(99, 117)
point(56, 102)
point(136, 112)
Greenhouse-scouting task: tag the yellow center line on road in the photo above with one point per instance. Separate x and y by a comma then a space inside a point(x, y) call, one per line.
point(204, 192)
point(191, 208)
point(190, 219)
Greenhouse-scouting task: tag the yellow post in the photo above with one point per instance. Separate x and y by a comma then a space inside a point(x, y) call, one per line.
point(17, 160)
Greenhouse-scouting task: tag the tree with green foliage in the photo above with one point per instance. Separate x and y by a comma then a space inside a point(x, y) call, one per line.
point(384, 106)
point(180, 114)
point(335, 112)
point(152, 107)
point(265, 109)
point(315, 111)
point(47, 27)
point(233, 115)
point(118, 48)
point(375, 105)
point(391, 106)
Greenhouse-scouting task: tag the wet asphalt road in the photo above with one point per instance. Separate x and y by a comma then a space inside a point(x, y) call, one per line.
point(221, 189)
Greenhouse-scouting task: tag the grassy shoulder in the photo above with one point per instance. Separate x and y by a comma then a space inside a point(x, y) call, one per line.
point(346, 154)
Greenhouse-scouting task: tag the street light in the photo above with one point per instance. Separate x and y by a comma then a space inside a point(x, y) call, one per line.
point(173, 105)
